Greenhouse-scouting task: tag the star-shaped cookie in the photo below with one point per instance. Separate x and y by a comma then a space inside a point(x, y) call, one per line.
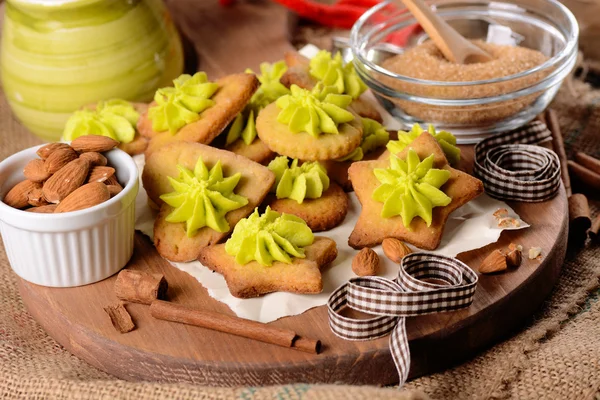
point(233, 94)
point(303, 275)
point(371, 228)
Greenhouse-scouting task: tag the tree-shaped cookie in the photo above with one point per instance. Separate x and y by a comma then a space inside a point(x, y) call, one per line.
point(195, 109)
point(202, 192)
point(271, 252)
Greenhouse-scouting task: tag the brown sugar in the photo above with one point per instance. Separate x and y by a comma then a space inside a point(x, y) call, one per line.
point(426, 62)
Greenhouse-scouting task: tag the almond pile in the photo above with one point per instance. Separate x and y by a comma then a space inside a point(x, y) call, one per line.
point(67, 177)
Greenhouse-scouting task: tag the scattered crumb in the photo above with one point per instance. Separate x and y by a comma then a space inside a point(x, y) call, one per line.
point(535, 253)
point(513, 246)
point(508, 222)
point(501, 213)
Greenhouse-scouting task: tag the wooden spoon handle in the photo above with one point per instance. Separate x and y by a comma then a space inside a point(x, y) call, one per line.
point(451, 43)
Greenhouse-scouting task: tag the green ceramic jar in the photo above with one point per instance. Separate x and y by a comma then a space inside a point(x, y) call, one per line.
point(58, 55)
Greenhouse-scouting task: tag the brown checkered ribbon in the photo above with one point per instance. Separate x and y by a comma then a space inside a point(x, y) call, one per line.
point(511, 167)
point(406, 296)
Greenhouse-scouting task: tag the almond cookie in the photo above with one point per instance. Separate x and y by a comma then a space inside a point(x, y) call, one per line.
point(418, 220)
point(327, 130)
point(330, 70)
point(375, 137)
point(322, 214)
point(232, 94)
point(241, 137)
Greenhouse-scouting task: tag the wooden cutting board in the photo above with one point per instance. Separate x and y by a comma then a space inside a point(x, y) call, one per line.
point(229, 40)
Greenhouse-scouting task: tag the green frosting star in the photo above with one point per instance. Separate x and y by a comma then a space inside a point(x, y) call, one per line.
point(114, 118)
point(307, 181)
point(270, 89)
point(182, 104)
point(446, 140)
point(269, 237)
point(411, 188)
point(318, 111)
point(203, 198)
point(374, 136)
point(332, 72)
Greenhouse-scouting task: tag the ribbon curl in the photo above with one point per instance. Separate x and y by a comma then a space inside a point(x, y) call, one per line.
point(512, 167)
point(391, 301)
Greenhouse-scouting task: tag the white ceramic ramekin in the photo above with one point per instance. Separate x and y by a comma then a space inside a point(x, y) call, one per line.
point(75, 248)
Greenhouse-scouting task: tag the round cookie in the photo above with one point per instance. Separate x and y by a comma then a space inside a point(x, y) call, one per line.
point(302, 145)
point(322, 214)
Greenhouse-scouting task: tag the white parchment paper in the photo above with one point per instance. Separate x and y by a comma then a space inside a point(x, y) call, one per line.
point(470, 227)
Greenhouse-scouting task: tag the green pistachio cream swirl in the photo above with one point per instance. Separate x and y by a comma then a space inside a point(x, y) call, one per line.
point(307, 181)
point(244, 124)
point(374, 136)
point(182, 104)
point(446, 140)
point(203, 198)
point(332, 72)
point(113, 118)
point(411, 188)
point(315, 112)
point(268, 238)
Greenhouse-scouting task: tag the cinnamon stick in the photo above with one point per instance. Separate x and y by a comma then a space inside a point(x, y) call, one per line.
point(591, 163)
point(140, 287)
point(588, 178)
point(559, 148)
point(594, 231)
point(120, 318)
point(236, 326)
point(579, 216)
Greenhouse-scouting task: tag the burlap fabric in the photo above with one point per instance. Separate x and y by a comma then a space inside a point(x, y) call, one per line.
point(556, 356)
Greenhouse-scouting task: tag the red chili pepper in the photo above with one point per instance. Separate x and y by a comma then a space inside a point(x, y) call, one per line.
point(226, 3)
point(335, 15)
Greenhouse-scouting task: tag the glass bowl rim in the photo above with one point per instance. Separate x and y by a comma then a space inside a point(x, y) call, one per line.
point(561, 57)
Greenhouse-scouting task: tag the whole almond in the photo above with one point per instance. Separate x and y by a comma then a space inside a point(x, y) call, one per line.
point(35, 171)
point(394, 249)
point(66, 180)
point(100, 174)
point(514, 258)
point(36, 198)
point(365, 263)
point(494, 262)
point(97, 143)
point(17, 196)
point(112, 181)
point(94, 158)
point(86, 196)
point(114, 189)
point(59, 158)
point(47, 209)
point(48, 149)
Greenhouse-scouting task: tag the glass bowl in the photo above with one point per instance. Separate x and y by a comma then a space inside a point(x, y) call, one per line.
point(471, 109)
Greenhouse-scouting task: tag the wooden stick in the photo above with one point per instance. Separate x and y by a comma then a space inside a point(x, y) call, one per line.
point(559, 148)
point(140, 287)
point(120, 318)
point(579, 216)
point(236, 326)
point(591, 163)
point(590, 179)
